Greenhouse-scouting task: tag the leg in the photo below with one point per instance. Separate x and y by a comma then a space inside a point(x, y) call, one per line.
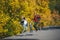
point(38, 25)
point(35, 26)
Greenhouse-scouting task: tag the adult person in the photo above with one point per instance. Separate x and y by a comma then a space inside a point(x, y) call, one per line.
point(24, 23)
point(36, 20)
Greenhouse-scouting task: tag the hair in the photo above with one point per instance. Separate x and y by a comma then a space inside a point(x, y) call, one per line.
point(24, 18)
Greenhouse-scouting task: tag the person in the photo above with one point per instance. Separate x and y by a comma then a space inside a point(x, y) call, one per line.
point(36, 20)
point(24, 23)
point(31, 26)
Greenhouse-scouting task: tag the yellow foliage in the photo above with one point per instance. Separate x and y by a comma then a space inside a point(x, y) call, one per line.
point(5, 30)
point(1, 29)
point(11, 12)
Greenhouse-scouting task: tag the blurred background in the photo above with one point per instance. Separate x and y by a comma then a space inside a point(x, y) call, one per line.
point(11, 12)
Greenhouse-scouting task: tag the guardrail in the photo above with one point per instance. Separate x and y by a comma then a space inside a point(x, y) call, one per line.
point(51, 27)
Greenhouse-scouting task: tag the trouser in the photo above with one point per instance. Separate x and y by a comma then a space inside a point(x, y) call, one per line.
point(25, 28)
point(35, 25)
point(30, 28)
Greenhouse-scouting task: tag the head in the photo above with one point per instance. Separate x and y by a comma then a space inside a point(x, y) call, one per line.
point(24, 18)
point(35, 13)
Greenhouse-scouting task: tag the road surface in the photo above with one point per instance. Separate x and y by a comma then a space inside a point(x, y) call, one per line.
point(51, 34)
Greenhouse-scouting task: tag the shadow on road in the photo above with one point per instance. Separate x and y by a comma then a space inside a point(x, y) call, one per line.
point(25, 35)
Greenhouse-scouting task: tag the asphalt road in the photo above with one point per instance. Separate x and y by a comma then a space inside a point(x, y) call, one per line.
point(51, 34)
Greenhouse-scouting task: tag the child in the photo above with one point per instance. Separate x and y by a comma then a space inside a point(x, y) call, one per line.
point(31, 26)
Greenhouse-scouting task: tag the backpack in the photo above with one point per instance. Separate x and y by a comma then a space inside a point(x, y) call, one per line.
point(22, 22)
point(38, 17)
